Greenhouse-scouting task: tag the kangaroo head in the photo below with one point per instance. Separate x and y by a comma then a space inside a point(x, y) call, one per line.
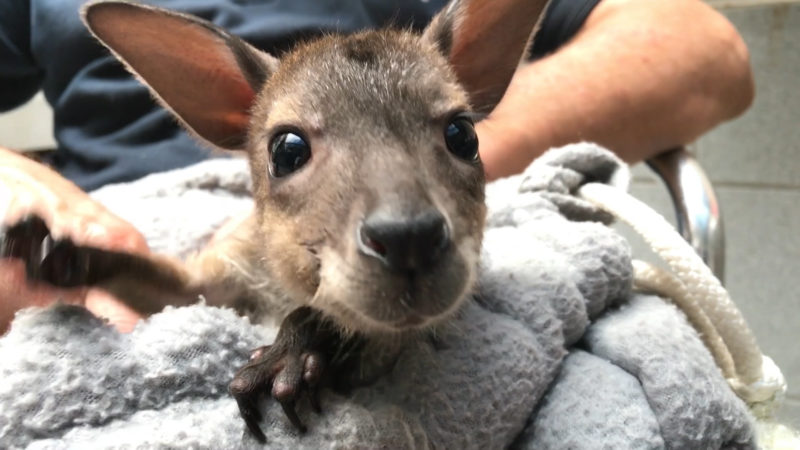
point(367, 177)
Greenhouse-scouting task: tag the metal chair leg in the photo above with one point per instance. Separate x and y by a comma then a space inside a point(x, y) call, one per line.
point(696, 207)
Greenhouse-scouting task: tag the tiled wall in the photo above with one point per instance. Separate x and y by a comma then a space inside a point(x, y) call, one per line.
point(754, 164)
point(753, 161)
point(29, 127)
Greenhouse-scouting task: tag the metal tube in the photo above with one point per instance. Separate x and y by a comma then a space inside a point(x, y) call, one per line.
point(697, 210)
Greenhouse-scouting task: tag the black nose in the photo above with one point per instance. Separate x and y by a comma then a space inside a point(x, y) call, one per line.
point(406, 243)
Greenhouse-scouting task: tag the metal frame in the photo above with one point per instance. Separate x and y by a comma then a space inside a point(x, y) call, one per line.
point(697, 209)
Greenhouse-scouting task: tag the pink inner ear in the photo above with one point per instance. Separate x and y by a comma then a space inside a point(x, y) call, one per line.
point(190, 67)
point(488, 42)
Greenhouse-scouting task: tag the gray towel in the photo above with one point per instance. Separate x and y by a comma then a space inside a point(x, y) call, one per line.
point(551, 351)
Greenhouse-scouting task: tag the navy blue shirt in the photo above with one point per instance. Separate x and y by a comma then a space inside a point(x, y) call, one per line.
point(108, 128)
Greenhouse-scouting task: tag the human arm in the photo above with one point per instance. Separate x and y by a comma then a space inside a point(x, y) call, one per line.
point(639, 77)
point(27, 187)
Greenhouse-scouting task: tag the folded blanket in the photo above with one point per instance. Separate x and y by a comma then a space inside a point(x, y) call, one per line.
point(553, 350)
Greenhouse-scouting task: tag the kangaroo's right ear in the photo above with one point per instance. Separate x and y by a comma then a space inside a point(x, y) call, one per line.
point(208, 78)
point(484, 41)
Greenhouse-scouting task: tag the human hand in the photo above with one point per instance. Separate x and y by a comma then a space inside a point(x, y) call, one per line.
point(30, 189)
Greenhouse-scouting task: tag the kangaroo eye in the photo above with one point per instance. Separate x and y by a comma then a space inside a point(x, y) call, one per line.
point(461, 138)
point(288, 152)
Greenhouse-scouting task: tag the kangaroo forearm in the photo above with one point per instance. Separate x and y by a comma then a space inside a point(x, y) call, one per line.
point(144, 283)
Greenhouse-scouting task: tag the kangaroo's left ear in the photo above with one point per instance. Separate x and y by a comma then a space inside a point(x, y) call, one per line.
point(484, 40)
point(207, 77)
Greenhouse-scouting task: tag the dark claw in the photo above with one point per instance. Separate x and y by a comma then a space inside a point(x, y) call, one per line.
point(27, 240)
point(244, 385)
point(248, 409)
point(313, 398)
point(295, 363)
point(23, 236)
point(274, 369)
point(313, 368)
point(288, 409)
point(60, 263)
point(65, 265)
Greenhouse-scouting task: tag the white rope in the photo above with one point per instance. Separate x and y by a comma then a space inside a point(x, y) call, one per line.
point(648, 277)
point(694, 289)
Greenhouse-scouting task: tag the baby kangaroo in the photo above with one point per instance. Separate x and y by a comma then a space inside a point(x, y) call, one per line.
point(368, 186)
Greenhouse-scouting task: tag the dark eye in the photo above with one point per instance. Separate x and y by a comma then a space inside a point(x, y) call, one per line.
point(288, 152)
point(461, 138)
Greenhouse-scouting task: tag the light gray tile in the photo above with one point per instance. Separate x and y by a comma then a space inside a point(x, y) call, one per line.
point(640, 172)
point(789, 414)
point(762, 268)
point(28, 127)
point(763, 146)
point(655, 195)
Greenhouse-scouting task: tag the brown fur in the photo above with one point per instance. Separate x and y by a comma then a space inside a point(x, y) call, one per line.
point(373, 106)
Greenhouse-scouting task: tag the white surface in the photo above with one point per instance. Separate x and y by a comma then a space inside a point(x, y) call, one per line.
point(28, 127)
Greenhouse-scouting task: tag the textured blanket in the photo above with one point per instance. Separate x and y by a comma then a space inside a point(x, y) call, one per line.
point(553, 350)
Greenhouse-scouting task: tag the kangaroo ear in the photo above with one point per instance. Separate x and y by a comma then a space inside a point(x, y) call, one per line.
point(208, 78)
point(484, 42)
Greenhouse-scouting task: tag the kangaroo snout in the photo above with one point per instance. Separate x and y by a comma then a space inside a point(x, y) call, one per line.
point(405, 243)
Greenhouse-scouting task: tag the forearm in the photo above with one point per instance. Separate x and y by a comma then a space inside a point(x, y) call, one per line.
point(641, 76)
point(29, 188)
